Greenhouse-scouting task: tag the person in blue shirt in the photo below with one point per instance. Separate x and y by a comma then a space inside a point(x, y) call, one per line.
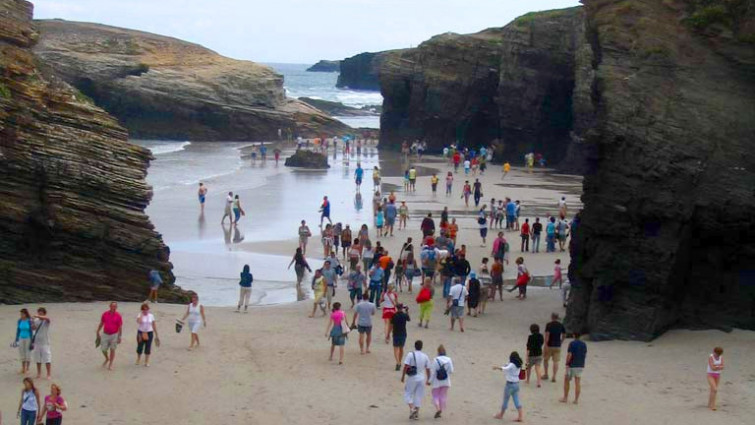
point(510, 214)
point(23, 339)
point(550, 235)
point(376, 282)
point(325, 210)
point(358, 175)
point(575, 364)
point(390, 217)
point(154, 284)
point(245, 288)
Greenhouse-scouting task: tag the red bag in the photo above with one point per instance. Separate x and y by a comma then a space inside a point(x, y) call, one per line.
point(522, 374)
point(523, 279)
point(423, 296)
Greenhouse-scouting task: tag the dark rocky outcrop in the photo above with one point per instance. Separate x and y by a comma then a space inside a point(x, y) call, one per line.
point(161, 87)
point(361, 72)
point(337, 108)
point(73, 189)
point(667, 235)
point(307, 159)
point(325, 66)
point(509, 86)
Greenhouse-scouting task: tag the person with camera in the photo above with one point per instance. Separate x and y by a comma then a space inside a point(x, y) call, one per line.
point(417, 368)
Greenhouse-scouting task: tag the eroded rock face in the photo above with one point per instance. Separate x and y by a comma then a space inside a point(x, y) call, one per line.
point(161, 87)
point(509, 86)
point(361, 72)
point(73, 189)
point(667, 235)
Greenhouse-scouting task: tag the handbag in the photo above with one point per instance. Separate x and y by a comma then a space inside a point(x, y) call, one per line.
point(345, 329)
point(412, 370)
point(522, 374)
point(456, 302)
point(144, 336)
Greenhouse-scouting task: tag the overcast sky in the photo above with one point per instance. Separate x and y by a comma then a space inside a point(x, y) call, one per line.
point(297, 31)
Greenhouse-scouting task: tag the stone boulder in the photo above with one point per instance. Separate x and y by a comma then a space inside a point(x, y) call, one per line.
point(307, 159)
point(73, 189)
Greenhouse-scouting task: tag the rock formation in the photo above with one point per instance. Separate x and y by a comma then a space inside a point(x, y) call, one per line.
point(307, 159)
point(325, 66)
point(73, 189)
point(337, 109)
point(361, 72)
point(164, 88)
point(667, 235)
point(510, 86)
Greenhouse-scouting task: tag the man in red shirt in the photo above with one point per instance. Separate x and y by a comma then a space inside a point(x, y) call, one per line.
point(111, 323)
point(457, 161)
point(525, 233)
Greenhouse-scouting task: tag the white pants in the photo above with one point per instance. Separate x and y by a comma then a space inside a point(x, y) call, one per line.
point(244, 296)
point(414, 391)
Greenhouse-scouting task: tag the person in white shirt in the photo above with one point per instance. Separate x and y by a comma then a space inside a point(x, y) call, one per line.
point(228, 204)
point(457, 299)
point(511, 390)
point(417, 368)
point(441, 369)
point(146, 332)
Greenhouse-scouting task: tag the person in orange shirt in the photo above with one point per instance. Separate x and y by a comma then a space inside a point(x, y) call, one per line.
point(386, 263)
point(453, 229)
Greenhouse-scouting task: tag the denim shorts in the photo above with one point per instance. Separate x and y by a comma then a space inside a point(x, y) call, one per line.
point(364, 329)
point(399, 340)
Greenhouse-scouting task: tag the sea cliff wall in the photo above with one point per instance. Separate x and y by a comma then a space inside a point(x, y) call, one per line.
point(73, 189)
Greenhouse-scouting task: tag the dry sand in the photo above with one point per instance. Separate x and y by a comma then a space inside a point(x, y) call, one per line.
point(271, 365)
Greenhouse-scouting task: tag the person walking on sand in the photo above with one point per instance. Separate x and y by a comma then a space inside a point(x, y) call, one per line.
point(202, 195)
point(441, 369)
point(390, 217)
point(42, 352)
point(537, 230)
point(425, 301)
point(506, 169)
point(511, 391)
point(336, 331)
point(376, 282)
point(456, 300)
point(482, 221)
point(449, 183)
point(331, 279)
point(155, 280)
point(403, 215)
point(228, 205)
point(325, 210)
point(355, 284)
point(417, 368)
point(428, 225)
point(237, 210)
point(319, 288)
point(466, 191)
point(245, 288)
point(358, 176)
point(23, 339)
point(145, 334)
point(554, 338)
point(473, 299)
point(525, 234)
point(715, 367)
point(300, 264)
point(496, 278)
point(477, 188)
point(534, 352)
point(53, 407)
point(363, 320)
point(29, 404)
point(398, 329)
point(562, 208)
point(575, 364)
point(523, 278)
point(111, 325)
point(304, 235)
point(197, 319)
point(557, 275)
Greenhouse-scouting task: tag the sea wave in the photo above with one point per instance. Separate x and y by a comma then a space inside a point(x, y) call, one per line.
point(168, 147)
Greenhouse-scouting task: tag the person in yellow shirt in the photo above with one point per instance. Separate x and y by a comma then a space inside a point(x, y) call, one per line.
point(376, 177)
point(319, 286)
point(412, 178)
point(506, 169)
point(434, 183)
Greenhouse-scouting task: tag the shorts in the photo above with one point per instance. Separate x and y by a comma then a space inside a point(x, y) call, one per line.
point(535, 360)
point(359, 181)
point(574, 372)
point(108, 342)
point(457, 312)
point(399, 340)
point(553, 353)
point(201, 199)
point(42, 354)
point(345, 244)
point(428, 272)
point(561, 237)
point(484, 232)
point(195, 326)
point(388, 313)
point(390, 221)
point(364, 329)
point(412, 181)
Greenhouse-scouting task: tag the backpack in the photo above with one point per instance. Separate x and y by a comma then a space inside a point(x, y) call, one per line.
point(441, 374)
point(481, 220)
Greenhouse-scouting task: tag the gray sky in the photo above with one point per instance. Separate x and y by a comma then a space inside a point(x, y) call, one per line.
point(297, 31)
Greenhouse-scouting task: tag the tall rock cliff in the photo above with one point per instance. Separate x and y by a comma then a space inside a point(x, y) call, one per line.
point(667, 235)
point(73, 189)
point(361, 72)
point(512, 86)
point(161, 87)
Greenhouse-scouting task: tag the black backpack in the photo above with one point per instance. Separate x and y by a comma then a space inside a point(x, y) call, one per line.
point(441, 374)
point(412, 370)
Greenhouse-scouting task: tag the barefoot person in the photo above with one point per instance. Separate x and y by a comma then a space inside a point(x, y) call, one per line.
point(42, 353)
point(363, 320)
point(417, 368)
point(304, 235)
point(227, 212)
point(28, 405)
point(336, 331)
point(534, 352)
point(389, 302)
point(319, 287)
point(425, 301)
point(146, 333)
point(155, 280)
point(511, 390)
point(554, 337)
point(23, 339)
point(456, 300)
point(575, 364)
point(245, 287)
point(53, 407)
point(715, 366)
point(197, 319)
point(202, 195)
point(441, 369)
point(111, 325)
point(398, 329)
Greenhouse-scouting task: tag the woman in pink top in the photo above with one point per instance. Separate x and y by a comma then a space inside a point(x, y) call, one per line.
point(54, 407)
point(336, 331)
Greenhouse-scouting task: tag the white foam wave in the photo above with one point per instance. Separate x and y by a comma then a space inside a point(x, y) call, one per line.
point(168, 147)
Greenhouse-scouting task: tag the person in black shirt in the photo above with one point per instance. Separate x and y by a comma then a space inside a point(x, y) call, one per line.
point(398, 329)
point(473, 298)
point(462, 268)
point(534, 352)
point(537, 229)
point(554, 337)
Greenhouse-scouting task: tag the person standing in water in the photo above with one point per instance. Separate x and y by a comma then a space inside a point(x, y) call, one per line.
point(228, 205)
point(245, 288)
point(325, 210)
point(304, 235)
point(417, 368)
point(715, 367)
point(358, 175)
point(111, 323)
point(237, 210)
point(197, 319)
point(202, 195)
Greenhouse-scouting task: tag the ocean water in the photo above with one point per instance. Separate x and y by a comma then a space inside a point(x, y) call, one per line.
point(322, 85)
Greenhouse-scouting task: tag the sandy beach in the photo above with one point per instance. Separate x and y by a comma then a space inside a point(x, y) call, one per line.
point(271, 365)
